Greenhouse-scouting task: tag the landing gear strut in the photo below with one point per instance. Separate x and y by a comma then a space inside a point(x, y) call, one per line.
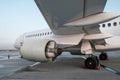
point(91, 62)
point(103, 56)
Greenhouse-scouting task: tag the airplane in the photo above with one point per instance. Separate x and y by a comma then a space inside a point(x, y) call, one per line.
point(74, 26)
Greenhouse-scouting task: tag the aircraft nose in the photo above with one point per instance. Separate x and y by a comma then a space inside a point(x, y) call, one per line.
point(19, 42)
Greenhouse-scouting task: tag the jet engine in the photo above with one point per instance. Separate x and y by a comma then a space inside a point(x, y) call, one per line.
point(39, 50)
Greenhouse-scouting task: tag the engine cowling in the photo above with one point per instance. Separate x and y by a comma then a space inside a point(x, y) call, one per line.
point(39, 50)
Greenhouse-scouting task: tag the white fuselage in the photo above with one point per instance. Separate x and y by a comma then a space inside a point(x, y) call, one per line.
point(110, 27)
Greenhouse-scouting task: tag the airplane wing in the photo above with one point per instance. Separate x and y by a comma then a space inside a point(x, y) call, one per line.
point(70, 16)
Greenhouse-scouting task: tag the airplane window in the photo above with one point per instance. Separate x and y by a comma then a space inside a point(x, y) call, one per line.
point(103, 25)
point(35, 35)
point(45, 33)
point(109, 24)
point(98, 25)
point(119, 23)
point(48, 33)
point(115, 23)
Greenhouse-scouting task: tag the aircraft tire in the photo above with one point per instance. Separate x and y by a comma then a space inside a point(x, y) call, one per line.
point(91, 63)
point(97, 60)
point(103, 56)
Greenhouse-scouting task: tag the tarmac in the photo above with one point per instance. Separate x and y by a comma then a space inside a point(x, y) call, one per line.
point(66, 67)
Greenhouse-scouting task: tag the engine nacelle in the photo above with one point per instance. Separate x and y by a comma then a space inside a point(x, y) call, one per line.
point(38, 50)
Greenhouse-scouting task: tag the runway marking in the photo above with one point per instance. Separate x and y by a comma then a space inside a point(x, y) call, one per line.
point(107, 68)
point(37, 63)
point(9, 74)
point(19, 70)
point(2, 66)
point(110, 69)
point(27, 68)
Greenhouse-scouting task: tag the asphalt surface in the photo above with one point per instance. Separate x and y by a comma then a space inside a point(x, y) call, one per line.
point(66, 67)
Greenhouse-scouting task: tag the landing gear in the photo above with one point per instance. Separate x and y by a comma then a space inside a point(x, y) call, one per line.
point(91, 62)
point(103, 56)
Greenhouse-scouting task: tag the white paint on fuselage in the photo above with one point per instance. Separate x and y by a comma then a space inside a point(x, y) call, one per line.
point(110, 27)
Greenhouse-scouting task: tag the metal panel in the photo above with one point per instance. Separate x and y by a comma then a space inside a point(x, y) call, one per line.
point(59, 12)
point(94, 6)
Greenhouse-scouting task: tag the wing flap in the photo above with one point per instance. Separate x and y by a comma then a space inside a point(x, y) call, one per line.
point(97, 36)
point(69, 39)
point(108, 47)
point(93, 19)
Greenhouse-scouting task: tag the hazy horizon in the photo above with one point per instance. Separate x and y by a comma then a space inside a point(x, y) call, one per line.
point(7, 46)
point(20, 16)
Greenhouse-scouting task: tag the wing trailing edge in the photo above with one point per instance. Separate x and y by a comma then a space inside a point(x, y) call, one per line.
point(99, 36)
point(107, 47)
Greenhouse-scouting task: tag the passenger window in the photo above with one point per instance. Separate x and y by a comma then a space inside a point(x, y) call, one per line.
point(103, 25)
point(45, 33)
point(48, 33)
point(109, 24)
point(115, 23)
point(98, 25)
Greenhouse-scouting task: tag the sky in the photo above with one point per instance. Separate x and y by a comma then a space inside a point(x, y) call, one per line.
point(20, 16)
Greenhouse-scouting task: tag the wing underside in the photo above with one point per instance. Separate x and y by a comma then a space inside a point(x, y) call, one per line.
point(69, 17)
point(59, 12)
